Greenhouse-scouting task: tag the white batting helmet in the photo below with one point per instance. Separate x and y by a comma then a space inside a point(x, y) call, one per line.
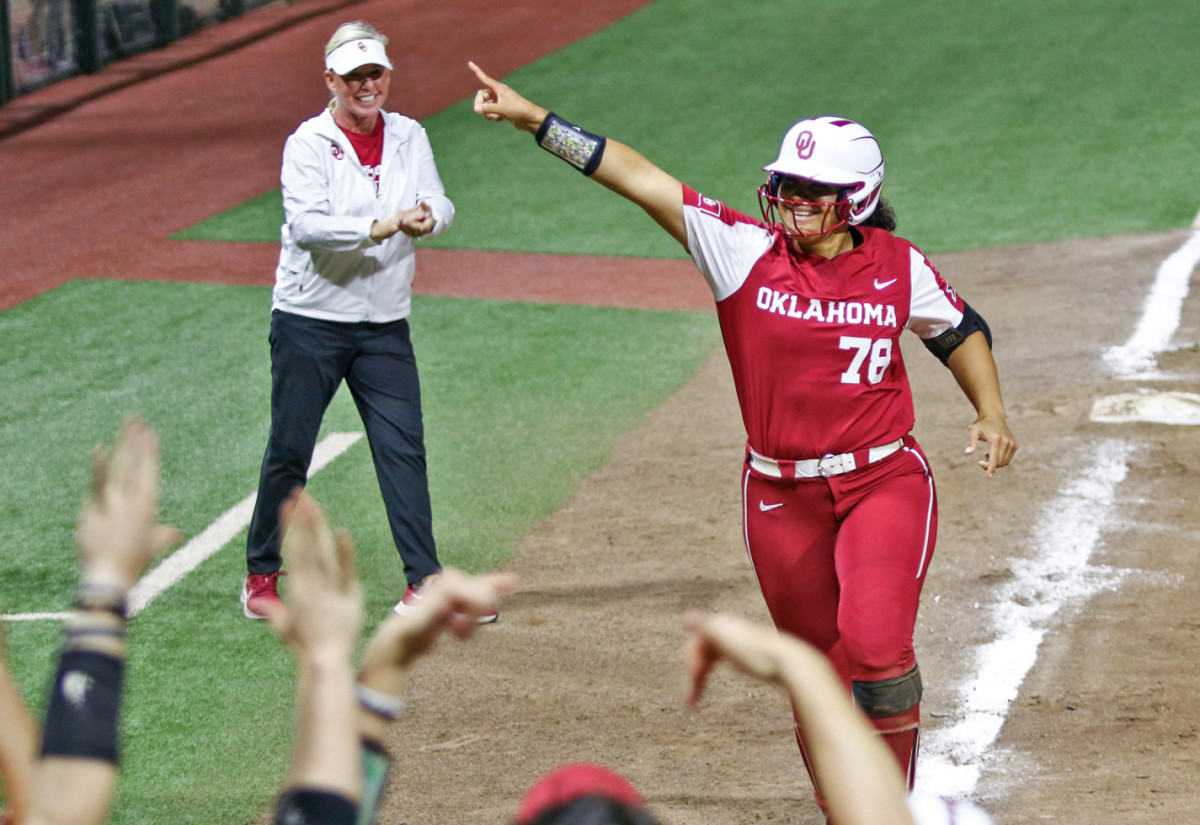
point(834, 151)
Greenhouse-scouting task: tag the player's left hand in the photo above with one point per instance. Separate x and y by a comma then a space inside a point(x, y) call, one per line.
point(1001, 445)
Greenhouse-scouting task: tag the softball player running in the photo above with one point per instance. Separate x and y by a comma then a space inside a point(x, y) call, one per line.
point(839, 507)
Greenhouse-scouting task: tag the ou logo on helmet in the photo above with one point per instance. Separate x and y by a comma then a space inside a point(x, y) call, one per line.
point(805, 144)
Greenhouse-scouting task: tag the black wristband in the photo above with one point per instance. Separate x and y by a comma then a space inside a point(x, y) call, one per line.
point(306, 806)
point(581, 149)
point(85, 703)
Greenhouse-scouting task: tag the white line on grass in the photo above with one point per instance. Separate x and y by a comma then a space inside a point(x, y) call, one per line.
point(188, 557)
point(1057, 575)
point(1160, 314)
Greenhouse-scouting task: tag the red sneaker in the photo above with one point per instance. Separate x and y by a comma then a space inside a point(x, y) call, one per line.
point(412, 597)
point(258, 589)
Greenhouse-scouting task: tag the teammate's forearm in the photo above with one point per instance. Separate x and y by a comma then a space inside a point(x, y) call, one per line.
point(80, 738)
point(327, 753)
point(855, 770)
point(531, 119)
point(18, 747)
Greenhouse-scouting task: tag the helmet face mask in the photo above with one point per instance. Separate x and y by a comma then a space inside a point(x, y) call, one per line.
point(831, 151)
point(774, 207)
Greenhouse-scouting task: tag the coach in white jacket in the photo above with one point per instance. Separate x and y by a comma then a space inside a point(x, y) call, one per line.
point(359, 185)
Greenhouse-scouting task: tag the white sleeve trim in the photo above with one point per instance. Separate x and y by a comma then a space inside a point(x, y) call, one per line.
point(725, 253)
point(931, 312)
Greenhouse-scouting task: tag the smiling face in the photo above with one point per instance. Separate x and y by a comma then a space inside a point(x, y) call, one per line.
point(360, 95)
point(807, 208)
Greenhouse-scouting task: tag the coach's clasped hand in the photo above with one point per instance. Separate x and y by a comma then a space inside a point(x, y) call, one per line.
point(413, 222)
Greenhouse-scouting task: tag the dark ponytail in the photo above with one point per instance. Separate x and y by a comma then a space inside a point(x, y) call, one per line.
point(884, 217)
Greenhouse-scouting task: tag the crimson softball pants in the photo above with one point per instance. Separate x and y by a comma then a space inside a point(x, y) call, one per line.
point(841, 562)
point(309, 360)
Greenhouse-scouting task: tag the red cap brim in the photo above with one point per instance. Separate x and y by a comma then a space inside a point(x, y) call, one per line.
point(574, 781)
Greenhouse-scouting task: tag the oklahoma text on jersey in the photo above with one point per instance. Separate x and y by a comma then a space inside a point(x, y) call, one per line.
point(827, 312)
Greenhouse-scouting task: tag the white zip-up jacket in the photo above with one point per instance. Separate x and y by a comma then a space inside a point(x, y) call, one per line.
point(329, 268)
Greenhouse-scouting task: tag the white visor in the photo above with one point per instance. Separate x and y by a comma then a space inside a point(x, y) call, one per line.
point(349, 56)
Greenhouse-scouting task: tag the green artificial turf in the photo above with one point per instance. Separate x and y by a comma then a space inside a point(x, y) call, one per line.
point(520, 401)
point(1001, 122)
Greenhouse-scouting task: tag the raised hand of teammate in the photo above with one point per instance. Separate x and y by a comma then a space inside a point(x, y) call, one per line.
point(755, 650)
point(325, 605)
point(118, 531)
point(452, 602)
point(860, 780)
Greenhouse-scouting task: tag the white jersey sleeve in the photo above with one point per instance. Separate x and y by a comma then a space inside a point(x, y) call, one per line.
point(936, 308)
point(724, 243)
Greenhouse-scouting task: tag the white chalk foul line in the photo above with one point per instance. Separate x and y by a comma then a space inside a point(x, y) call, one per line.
point(1160, 314)
point(188, 557)
point(1057, 575)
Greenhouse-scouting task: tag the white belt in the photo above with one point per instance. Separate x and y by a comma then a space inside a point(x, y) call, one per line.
point(828, 465)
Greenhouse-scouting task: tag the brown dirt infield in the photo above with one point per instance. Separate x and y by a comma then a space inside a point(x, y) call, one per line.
point(584, 661)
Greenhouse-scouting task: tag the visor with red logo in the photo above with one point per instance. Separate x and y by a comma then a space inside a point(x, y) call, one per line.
point(349, 56)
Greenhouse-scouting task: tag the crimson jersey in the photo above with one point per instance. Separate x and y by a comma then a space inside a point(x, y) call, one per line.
point(814, 343)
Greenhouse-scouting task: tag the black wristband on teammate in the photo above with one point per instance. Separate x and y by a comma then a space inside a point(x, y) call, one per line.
point(309, 806)
point(85, 702)
point(581, 149)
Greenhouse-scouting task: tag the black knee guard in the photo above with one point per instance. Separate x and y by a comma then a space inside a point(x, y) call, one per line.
point(889, 697)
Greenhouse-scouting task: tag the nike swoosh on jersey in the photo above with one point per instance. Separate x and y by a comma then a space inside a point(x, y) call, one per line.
point(762, 505)
point(884, 284)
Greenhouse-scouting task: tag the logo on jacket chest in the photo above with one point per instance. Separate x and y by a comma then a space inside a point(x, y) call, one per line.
point(374, 172)
point(825, 312)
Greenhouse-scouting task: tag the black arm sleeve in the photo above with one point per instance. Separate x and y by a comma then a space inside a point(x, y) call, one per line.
point(949, 341)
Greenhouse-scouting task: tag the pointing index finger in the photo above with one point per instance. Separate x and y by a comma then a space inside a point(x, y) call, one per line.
point(481, 74)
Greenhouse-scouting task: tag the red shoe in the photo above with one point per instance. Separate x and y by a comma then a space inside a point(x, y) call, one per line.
point(258, 589)
point(412, 597)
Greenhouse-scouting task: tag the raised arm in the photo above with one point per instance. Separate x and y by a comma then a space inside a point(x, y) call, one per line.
point(606, 161)
point(861, 781)
point(118, 535)
point(453, 603)
point(18, 746)
point(974, 369)
point(320, 622)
